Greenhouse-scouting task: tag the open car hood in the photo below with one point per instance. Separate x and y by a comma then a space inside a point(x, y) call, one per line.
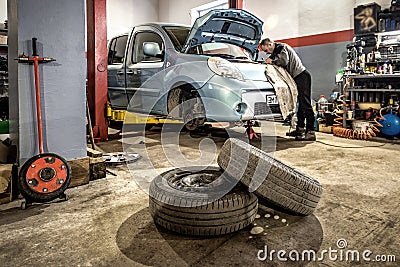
point(234, 26)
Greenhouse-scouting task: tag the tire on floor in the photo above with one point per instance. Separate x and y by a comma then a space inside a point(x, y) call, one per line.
point(232, 212)
point(278, 183)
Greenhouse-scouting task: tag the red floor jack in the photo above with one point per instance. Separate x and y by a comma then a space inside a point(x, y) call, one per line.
point(46, 176)
point(250, 131)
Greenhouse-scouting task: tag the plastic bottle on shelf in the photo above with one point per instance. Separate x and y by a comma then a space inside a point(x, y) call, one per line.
point(322, 104)
point(385, 68)
point(390, 69)
point(362, 62)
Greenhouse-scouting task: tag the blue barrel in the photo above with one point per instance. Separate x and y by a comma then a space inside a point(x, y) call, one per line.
point(391, 125)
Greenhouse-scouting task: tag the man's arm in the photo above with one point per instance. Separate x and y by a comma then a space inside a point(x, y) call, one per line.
point(281, 59)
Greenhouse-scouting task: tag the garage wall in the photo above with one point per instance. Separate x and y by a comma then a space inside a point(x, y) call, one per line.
point(294, 18)
point(60, 35)
point(3, 10)
point(178, 11)
point(319, 31)
point(123, 14)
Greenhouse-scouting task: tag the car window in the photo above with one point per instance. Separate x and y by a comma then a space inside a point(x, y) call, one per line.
point(178, 35)
point(116, 51)
point(140, 39)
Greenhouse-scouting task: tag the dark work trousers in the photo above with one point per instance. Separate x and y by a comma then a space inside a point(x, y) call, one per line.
point(305, 111)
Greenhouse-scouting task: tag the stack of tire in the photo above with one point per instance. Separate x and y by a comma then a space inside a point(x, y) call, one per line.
point(212, 201)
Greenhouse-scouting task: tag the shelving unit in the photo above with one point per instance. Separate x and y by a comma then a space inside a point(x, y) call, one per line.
point(3, 83)
point(371, 85)
point(378, 88)
point(3, 63)
point(376, 83)
point(4, 113)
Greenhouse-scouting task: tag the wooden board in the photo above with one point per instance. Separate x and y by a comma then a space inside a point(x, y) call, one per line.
point(5, 183)
point(79, 171)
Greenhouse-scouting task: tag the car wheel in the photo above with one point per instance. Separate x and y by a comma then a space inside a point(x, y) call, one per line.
point(281, 185)
point(190, 106)
point(193, 110)
point(148, 126)
point(44, 177)
point(196, 216)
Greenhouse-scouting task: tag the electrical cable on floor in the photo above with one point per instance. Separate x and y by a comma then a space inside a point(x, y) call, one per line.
point(380, 145)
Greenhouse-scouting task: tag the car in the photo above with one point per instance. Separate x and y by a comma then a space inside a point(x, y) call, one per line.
point(198, 74)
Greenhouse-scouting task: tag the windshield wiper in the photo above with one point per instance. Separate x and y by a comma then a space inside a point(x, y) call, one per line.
point(221, 55)
point(242, 57)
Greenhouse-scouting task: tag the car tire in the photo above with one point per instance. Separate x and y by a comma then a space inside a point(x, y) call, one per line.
point(148, 126)
point(189, 102)
point(232, 212)
point(34, 196)
point(193, 112)
point(280, 185)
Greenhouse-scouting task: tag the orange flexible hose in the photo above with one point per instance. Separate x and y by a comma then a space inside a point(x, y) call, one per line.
point(368, 134)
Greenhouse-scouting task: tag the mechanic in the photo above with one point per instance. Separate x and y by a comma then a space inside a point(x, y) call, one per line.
point(284, 56)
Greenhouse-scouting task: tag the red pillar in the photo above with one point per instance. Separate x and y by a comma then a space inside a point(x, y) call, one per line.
point(97, 66)
point(236, 4)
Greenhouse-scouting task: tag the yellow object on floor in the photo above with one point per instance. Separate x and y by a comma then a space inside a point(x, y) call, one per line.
point(131, 118)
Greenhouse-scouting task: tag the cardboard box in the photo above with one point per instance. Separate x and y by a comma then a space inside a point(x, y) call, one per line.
point(5, 183)
point(325, 129)
point(3, 39)
point(4, 150)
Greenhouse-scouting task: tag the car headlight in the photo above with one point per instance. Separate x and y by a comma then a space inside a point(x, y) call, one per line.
point(241, 108)
point(224, 68)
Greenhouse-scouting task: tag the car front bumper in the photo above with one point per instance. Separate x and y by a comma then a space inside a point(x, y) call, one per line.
point(221, 97)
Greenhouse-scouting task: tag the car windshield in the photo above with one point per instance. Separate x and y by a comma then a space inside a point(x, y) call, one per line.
point(178, 35)
point(224, 50)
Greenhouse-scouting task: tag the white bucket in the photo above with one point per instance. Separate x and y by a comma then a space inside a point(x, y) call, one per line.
point(361, 125)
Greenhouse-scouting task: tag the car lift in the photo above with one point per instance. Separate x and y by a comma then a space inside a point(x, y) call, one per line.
point(130, 118)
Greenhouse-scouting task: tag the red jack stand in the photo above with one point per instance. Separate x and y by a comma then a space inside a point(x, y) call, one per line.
point(250, 131)
point(45, 176)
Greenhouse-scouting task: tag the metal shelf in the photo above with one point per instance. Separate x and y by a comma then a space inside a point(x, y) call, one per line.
point(389, 60)
point(372, 76)
point(372, 90)
point(397, 32)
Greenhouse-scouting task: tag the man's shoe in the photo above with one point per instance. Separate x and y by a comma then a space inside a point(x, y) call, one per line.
point(297, 132)
point(307, 136)
point(310, 136)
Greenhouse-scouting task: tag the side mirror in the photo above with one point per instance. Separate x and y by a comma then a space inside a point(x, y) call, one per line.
point(151, 49)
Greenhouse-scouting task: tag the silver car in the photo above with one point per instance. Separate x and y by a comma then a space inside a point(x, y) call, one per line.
point(198, 74)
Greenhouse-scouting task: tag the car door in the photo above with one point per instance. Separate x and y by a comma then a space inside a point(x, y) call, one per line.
point(143, 83)
point(116, 72)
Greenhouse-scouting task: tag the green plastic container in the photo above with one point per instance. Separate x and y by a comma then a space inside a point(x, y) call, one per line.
point(4, 129)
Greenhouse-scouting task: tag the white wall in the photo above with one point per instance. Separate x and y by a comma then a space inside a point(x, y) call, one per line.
point(3, 10)
point(123, 14)
point(293, 18)
point(383, 3)
point(282, 19)
point(178, 11)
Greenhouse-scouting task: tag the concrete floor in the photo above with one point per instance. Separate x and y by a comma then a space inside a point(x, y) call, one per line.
point(107, 222)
